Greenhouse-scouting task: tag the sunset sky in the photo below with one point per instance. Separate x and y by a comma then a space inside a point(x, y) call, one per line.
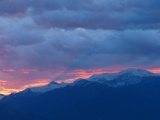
point(63, 40)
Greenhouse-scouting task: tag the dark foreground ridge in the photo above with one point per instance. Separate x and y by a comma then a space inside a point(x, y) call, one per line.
point(131, 95)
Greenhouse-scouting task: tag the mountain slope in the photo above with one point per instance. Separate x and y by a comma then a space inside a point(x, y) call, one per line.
point(8, 113)
point(131, 71)
point(51, 86)
point(1, 96)
point(130, 96)
point(87, 100)
point(125, 77)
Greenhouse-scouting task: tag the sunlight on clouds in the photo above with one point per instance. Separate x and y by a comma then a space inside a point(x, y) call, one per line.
point(6, 89)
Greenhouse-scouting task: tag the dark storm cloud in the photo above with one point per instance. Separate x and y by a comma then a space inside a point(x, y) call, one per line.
point(92, 14)
point(60, 49)
point(18, 32)
point(122, 48)
point(42, 40)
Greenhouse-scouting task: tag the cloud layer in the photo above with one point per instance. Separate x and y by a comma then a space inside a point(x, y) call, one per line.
point(92, 14)
point(59, 49)
point(42, 40)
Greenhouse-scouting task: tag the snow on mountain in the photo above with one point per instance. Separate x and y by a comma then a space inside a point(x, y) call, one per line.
point(125, 77)
point(106, 76)
point(130, 72)
point(138, 72)
point(79, 82)
point(51, 86)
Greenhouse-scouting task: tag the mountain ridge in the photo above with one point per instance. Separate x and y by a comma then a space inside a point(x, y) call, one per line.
point(133, 71)
point(92, 100)
point(129, 76)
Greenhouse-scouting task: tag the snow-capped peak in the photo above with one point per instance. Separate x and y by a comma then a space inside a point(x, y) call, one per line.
point(112, 76)
point(125, 77)
point(106, 76)
point(137, 72)
point(53, 83)
point(51, 86)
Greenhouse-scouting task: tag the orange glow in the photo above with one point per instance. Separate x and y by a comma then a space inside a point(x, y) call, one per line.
point(87, 73)
point(39, 83)
point(3, 81)
point(28, 71)
point(154, 70)
point(22, 82)
point(6, 90)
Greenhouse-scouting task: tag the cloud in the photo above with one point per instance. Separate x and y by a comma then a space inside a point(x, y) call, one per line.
point(50, 39)
point(24, 45)
point(91, 14)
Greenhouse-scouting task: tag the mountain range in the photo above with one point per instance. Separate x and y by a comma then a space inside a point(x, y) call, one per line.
point(132, 94)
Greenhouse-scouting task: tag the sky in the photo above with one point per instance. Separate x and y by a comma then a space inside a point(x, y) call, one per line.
point(63, 40)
